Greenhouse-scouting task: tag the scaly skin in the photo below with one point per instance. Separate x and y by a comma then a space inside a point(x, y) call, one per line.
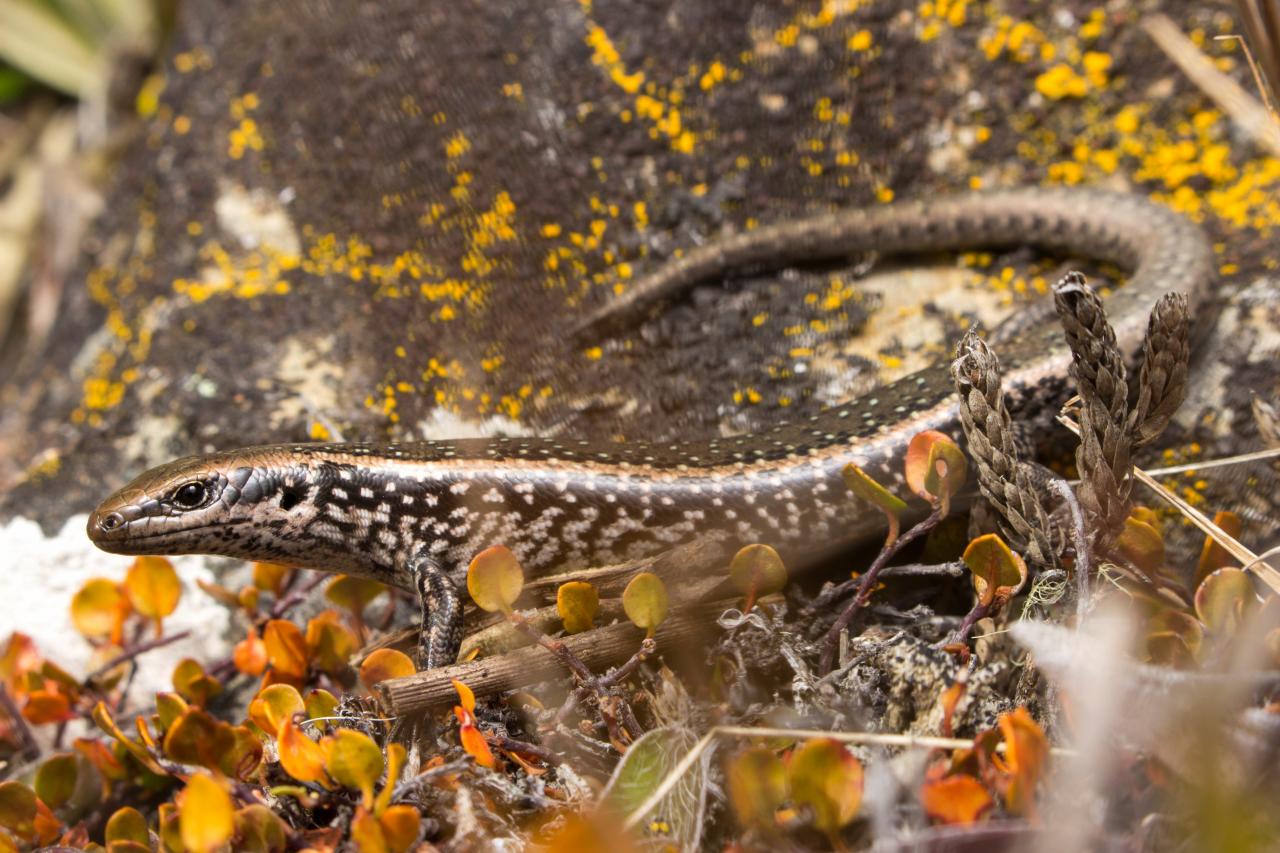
point(413, 514)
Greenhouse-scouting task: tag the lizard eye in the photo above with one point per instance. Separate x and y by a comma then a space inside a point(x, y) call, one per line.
point(190, 496)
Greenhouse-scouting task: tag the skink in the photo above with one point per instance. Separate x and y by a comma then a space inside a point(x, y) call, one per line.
point(413, 514)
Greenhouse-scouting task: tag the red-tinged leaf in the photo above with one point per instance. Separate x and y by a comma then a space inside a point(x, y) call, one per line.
point(127, 824)
point(383, 664)
point(1213, 556)
point(18, 809)
point(495, 579)
point(353, 594)
point(55, 781)
point(827, 778)
point(330, 644)
point(153, 588)
point(244, 757)
point(248, 598)
point(206, 817)
point(259, 830)
point(300, 756)
point(47, 706)
point(366, 832)
point(757, 571)
point(198, 738)
point(757, 787)
point(99, 608)
point(250, 654)
point(935, 466)
point(193, 683)
point(355, 762)
point(998, 573)
point(1026, 753)
point(103, 759)
point(958, 799)
point(577, 602)
point(1223, 600)
point(270, 577)
point(47, 825)
point(401, 826)
point(466, 696)
point(645, 601)
point(18, 658)
point(286, 649)
point(950, 699)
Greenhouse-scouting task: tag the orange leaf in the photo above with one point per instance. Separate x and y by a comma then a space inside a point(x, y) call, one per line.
point(466, 696)
point(47, 706)
point(206, 818)
point(279, 702)
point(300, 756)
point(495, 579)
point(99, 609)
point(935, 466)
point(1213, 556)
point(366, 832)
point(577, 602)
point(476, 746)
point(19, 657)
point(757, 787)
point(383, 664)
point(330, 644)
point(193, 683)
point(401, 826)
point(270, 577)
point(197, 737)
point(1026, 751)
point(396, 756)
point(102, 717)
point(956, 799)
point(250, 654)
point(286, 649)
point(153, 588)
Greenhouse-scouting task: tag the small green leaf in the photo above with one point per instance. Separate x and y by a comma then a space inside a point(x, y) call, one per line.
point(643, 767)
point(577, 602)
point(17, 808)
point(1223, 599)
point(495, 579)
point(169, 707)
point(55, 781)
point(998, 573)
point(127, 824)
point(757, 787)
point(354, 761)
point(645, 601)
point(861, 484)
point(756, 571)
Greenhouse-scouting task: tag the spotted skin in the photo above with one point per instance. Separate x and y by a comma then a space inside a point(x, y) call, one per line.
point(413, 514)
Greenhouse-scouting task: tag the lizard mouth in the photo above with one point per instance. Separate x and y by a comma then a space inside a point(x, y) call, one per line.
point(120, 540)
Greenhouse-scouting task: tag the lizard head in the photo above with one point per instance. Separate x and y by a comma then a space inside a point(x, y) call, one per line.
point(190, 505)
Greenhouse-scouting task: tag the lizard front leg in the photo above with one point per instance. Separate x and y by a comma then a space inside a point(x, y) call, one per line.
point(441, 632)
